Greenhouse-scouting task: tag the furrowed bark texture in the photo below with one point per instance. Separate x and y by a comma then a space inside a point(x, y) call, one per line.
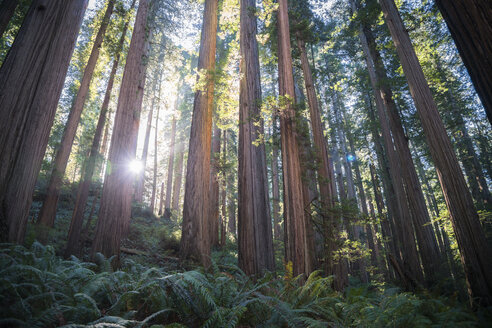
point(474, 251)
point(295, 231)
point(31, 81)
point(48, 210)
point(195, 240)
point(254, 220)
point(470, 24)
point(115, 209)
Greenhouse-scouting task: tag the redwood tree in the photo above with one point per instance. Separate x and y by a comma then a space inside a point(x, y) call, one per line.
point(254, 221)
point(48, 210)
point(195, 240)
point(115, 209)
point(31, 81)
point(295, 232)
point(474, 250)
point(470, 24)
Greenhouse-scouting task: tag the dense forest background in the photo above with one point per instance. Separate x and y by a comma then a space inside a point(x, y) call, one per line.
point(243, 163)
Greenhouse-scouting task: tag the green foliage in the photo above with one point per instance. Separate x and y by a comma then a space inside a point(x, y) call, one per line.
point(39, 289)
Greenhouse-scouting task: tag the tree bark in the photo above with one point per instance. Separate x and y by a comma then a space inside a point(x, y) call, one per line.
point(277, 229)
point(73, 246)
point(7, 10)
point(294, 217)
point(161, 200)
point(31, 81)
point(195, 240)
point(153, 199)
point(48, 210)
point(475, 253)
point(254, 221)
point(469, 22)
point(140, 184)
point(170, 169)
point(115, 208)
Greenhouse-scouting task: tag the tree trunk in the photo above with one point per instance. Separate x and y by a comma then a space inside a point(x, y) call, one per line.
point(293, 201)
point(178, 176)
point(195, 240)
point(161, 200)
point(223, 195)
point(469, 22)
point(475, 253)
point(115, 208)
point(7, 10)
point(214, 188)
point(140, 184)
point(170, 169)
point(153, 199)
point(231, 199)
point(73, 246)
point(48, 210)
point(427, 242)
point(275, 188)
point(254, 221)
point(31, 81)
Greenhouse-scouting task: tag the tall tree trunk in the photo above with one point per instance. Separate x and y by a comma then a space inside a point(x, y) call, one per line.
point(73, 246)
point(294, 218)
point(7, 10)
point(475, 253)
point(469, 22)
point(275, 187)
point(195, 241)
point(223, 194)
point(325, 174)
point(178, 176)
point(48, 210)
point(161, 200)
point(254, 221)
point(115, 208)
point(214, 188)
point(428, 247)
point(231, 199)
point(31, 81)
point(140, 184)
point(170, 169)
point(153, 199)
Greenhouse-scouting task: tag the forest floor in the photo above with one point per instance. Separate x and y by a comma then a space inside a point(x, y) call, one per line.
point(39, 288)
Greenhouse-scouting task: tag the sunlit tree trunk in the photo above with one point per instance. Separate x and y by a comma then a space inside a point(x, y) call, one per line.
point(475, 253)
point(115, 208)
point(7, 10)
point(161, 200)
point(469, 22)
point(195, 240)
point(153, 197)
point(73, 246)
point(294, 218)
point(277, 230)
point(223, 194)
point(48, 210)
point(170, 168)
point(31, 81)
point(140, 184)
point(254, 221)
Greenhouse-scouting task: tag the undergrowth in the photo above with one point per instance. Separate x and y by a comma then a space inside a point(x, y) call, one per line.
point(40, 289)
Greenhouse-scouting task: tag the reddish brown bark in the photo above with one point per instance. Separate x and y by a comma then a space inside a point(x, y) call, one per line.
point(195, 240)
point(31, 80)
point(294, 218)
point(254, 220)
point(48, 210)
point(115, 209)
point(475, 253)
